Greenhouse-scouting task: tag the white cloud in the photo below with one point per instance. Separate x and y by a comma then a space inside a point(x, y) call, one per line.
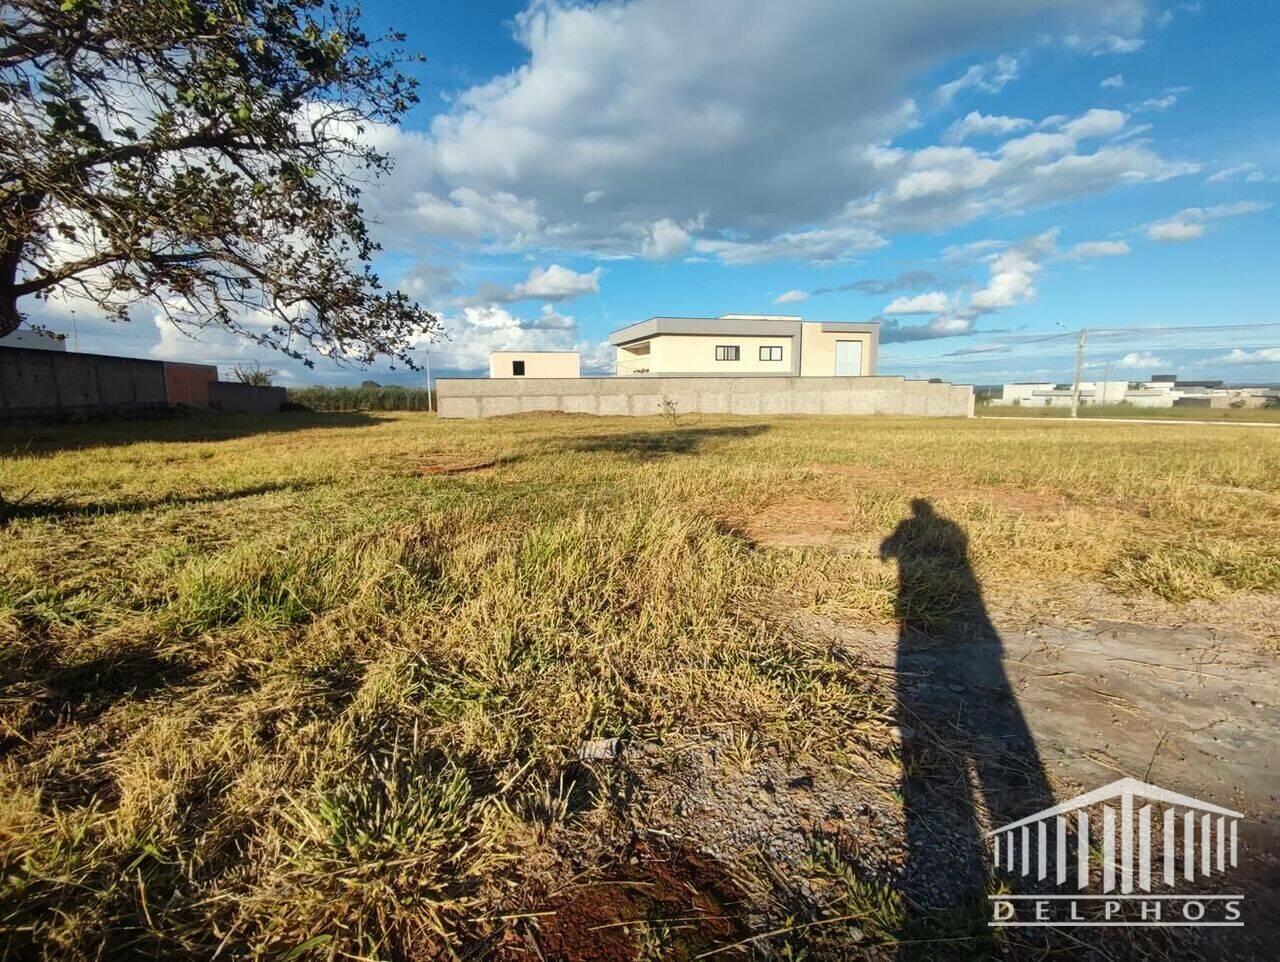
point(1158, 104)
point(1094, 123)
point(1013, 273)
point(988, 77)
point(1116, 29)
point(1174, 230)
point(824, 245)
point(933, 302)
point(1140, 359)
point(938, 187)
point(557, 283)
point(791, 297)
point(1248, 172)
point(551, 320)
point(468, 215)
point(975, 250)
point(975, 124)
point(1118, 44)
point(1115, 81)
point(1266, 355)
point(893, 331)
point(478, 330)
point(642, 102)
point(1089, 249)
point(554, 283)
point(1189, 223)
point(665, 238)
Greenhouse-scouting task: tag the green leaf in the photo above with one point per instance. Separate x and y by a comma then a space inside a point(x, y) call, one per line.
point(312, 943)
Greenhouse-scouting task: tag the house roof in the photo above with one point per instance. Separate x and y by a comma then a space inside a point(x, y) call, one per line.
point(741, 326)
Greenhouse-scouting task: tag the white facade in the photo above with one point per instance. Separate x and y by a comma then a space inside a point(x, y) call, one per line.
point(747, 345)
point(531, 364)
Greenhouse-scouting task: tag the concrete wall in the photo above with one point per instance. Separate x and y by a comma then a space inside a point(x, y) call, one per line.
point(233, 397)
point(536, 363)
point(42, 383)
point(189, 383)
point(475, 398)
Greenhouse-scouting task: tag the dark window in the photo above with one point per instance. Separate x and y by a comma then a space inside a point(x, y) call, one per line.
point(770, 353)
point(726, 352)
point(517, 368)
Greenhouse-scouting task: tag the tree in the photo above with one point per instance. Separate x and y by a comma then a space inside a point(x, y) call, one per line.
point(206, 156)
point(255, 374)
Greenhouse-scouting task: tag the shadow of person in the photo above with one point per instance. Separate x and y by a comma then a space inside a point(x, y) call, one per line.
point(969, 761)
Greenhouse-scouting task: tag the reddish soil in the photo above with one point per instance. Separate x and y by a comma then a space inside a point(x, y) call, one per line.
point(647, 904)
point(804, 523)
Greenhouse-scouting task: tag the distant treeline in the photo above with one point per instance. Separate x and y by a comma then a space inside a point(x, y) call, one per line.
point(361, 398)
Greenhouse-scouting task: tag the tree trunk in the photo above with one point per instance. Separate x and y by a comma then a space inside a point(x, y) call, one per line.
point(10, 316)
point(17, 216)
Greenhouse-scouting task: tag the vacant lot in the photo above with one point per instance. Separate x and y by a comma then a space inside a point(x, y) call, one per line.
point(321, 685)
point(1265, 415)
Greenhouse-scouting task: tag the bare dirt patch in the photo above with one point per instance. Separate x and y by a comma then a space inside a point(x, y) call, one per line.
point(807, 523)
point(650, 903)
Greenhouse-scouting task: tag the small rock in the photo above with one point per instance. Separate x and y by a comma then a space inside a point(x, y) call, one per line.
point(600, 749)
point(956, 687)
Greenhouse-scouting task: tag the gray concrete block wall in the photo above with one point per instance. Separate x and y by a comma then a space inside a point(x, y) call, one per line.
point(36, 384)
point(232, 397)
point(636, 396)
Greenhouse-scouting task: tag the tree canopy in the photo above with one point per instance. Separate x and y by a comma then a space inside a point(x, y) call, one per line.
point(207, 157)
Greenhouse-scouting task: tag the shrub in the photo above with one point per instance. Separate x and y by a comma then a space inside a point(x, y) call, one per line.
point(365, 398)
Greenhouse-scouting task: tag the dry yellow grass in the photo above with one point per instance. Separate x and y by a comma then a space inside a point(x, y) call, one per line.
point(316, 683)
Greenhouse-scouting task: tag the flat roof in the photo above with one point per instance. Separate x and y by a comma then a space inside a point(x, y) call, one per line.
point(743, 325)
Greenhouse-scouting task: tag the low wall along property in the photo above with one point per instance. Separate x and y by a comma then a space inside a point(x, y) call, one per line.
point(36, 383)
point(56, 384)
point(479, 398)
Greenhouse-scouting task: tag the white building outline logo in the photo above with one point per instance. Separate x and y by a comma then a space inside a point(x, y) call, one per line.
point(1145, 838)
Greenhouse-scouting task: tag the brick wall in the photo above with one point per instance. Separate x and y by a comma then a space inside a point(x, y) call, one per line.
point(189, 383)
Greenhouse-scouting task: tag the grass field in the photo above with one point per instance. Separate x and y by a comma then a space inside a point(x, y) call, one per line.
point(315, 685)
point(1269, 415)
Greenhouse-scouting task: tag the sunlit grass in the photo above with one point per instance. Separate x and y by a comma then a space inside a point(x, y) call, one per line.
point(320, 681)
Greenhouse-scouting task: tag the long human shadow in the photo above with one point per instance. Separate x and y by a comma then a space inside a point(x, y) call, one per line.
point(966, 746)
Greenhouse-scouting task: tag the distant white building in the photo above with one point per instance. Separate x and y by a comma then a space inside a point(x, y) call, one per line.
point(1162, 391)
point(1049, 394)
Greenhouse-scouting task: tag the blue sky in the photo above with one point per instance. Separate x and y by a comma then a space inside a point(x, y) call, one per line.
point(973, 174)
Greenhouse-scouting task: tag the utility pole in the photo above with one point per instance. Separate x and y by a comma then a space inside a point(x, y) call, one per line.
point(430, 406)
point(1106, 383)
point(1075, 387)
